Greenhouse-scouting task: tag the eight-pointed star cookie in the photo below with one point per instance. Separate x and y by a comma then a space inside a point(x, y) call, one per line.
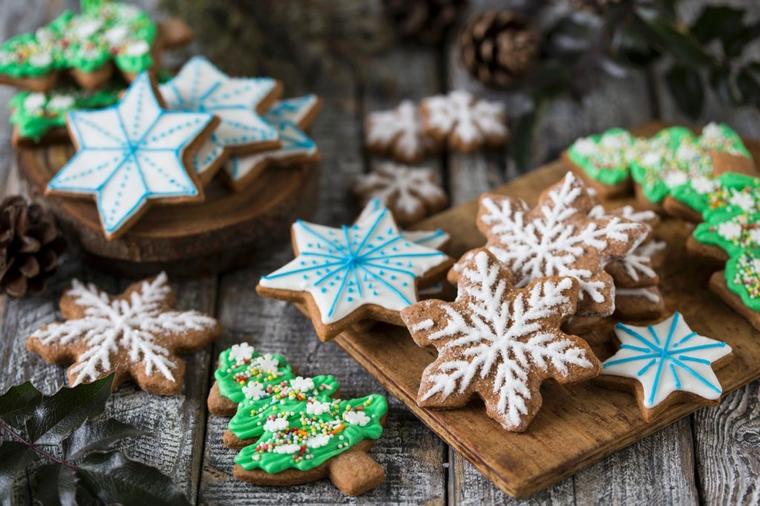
point(134, 335)
point(131, 154)
point(667, 363)
point(237, 102)
point(344, 275)
point(557, 237)
point(290, 117)
point(499, 342)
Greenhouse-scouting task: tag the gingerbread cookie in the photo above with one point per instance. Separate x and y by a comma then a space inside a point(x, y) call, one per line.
point(499, 342)
point(362, 271)
point(730, 192)
point(131, 155)
point(602, 160)
point(397, 133)
point(290, 117)
point(739, 285)
point(411, 193)
point(665, 363)
point(462, 122)
point(726, 149)
point(237, 102)
point(135, 335)
point(732, 234)
point(639, 304)
point(558, 237)
point(436, 239)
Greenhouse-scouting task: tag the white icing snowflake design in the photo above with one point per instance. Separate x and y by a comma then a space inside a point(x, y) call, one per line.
point(667, 357)
point(201, 87)
point(499, 342)
point(558, 237)
point(343, 269)
point(464, 120)
point(139, 324)
point(397, 132)
point(129, 154)
point(429, 238)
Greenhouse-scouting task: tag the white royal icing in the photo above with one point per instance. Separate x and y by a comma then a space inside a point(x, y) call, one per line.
point(129, 154)
point(201, 87)
point(460, 115)
point(266, 363)
point(429, 238)
point(318, 441)
point(241, 352)
point(398, 131)
point(404, 189)
point(317, 408)
point(667, 357)
point(345, 268)
point(254, 391)
point(302, 384)
point(359, 418)
point(276, 424)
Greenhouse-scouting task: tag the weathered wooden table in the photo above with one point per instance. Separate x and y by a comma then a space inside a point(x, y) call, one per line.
point(713, 456)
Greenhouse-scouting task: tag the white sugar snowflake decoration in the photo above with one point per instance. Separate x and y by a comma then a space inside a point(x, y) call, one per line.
point(499, 342)
point(396, 132)
point(134, 335)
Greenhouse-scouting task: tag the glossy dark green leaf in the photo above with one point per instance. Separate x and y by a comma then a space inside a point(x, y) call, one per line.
point(58, 415)
point(734, 44)
point(54, 485)
point(115, 479)
point(721, 82)
point(748, 84)
point(680, 45)
point(98, 437)
point(14, 457)
point(629, 41)
point(522, 139)
point(685, 86)
point(717, 22)
point(18, 402)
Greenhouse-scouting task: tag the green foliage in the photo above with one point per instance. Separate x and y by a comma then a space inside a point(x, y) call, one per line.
point(67, 450)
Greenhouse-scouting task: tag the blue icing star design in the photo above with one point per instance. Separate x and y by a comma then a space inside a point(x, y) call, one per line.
point(128, 154)
point(431, 238)
point(665, 358)
point(201, 87)
point(289, 117)
point(345, 268)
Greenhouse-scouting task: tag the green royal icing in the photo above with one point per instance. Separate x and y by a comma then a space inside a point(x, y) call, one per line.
point(34, 114)
point(743, 277)
point(731, 233)
point(241, 365)
point(311, 440)
point(720, 137)
point(604, 157)
point(730, 193)
point(105, 31)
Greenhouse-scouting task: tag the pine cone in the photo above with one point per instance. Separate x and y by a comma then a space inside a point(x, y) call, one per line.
point(30, 244)
point(424, 20)
point(498, 47)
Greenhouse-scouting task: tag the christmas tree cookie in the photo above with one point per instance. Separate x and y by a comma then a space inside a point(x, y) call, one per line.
point(726, 149)
point(729, 234)
point(602, 160)
point(700, 197)
point(739, 284)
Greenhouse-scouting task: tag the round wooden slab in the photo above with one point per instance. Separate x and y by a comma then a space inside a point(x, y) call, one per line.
point(221, 233)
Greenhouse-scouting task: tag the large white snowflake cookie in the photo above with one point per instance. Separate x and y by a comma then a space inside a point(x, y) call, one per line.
point(666, 363)
point(367, 270)
point(134, 335)
point(499, 342)
point(397, 132)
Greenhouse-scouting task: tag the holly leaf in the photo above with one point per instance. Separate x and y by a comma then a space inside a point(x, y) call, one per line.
point(18, 402)
point(14, 457)
point(748, 82)
point(685, 86)
point(101, 436)
point(717, 22)
point(55, 484)
point(663, 32)
point(113, 478)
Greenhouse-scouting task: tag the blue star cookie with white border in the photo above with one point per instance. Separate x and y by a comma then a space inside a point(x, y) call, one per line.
point(132, 154)
point(290, 117)
point(238, 103)
point(363, 271)
point(667, 363)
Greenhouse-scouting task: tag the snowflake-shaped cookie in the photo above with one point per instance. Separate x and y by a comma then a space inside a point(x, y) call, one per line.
point(411, 193)
point(435, 239)
point(665, 359)
point(397, 132)
point(290, 117)
point(343, 274)
point(557, 237)
point(134, 335)
point(131, 154)
point(464, 122)
point(237, 102)
point(499, 342)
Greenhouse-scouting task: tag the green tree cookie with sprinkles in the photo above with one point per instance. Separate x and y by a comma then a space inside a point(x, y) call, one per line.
point(730, 193)
point(603, 159)
point(241, 373)
point(739, 284)
point(733, 234)
point(314, 443)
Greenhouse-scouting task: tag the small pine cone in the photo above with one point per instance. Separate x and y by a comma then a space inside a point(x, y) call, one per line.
point(498, 47)
point(427, 21)
point(30, 245)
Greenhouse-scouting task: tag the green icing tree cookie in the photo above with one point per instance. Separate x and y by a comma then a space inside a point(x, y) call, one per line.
point(604, 157)
point(242, 370)
point(743, 277)
point(723, 139)
point(732, 233)
point(731, 193)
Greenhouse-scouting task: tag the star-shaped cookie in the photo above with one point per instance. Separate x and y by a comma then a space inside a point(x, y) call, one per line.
point(134, 335)
point(499, 342)
point(131, 154)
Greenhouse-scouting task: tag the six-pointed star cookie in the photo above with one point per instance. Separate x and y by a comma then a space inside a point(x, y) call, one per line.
point(134, 335)
point(237, 102)
point(557, 237)
point(345, 274)
point(130, 154)
point(290, 117)
point(499, 342)
point(668, 362)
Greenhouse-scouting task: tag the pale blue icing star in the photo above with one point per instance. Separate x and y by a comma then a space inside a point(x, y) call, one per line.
point(201, 87)
point(128, 154)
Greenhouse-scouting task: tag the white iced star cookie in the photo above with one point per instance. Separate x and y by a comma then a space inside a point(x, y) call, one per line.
point(435, 239)
point(132, 154)
point(363, 271)
point(237, 102)
point(666, 363)
point(290, 117)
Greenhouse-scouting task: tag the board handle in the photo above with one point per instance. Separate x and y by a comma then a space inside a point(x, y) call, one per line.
point(355, 472)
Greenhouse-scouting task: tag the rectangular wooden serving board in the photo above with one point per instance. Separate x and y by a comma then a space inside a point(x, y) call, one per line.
point(578, 425)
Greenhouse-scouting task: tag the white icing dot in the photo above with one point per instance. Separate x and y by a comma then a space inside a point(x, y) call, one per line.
point(276, 425)
point(356, 417)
